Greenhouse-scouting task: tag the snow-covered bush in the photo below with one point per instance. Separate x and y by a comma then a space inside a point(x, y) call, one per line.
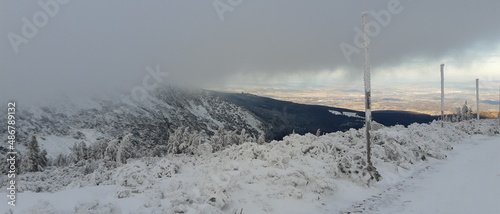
point(140, 175)
point(299, 167)
point(96, 207)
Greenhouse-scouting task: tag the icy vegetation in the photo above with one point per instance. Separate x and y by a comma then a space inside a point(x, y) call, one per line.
point(62, 124)
point(233, 173)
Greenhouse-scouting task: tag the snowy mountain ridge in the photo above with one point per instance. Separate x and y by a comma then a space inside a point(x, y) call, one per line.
point(59, 125)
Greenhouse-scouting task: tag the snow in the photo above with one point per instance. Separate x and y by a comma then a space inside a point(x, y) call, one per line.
point(201, 112)
point(350, 114)
point(251, 120)
point(425, 169)
point(468, 182)
point(347, 114)
point(67, 201)
point(335, 112)
point(55, 145)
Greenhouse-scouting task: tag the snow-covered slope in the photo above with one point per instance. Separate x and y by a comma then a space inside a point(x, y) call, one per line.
point(59, 124)
point(345, 113)
point(300, 174)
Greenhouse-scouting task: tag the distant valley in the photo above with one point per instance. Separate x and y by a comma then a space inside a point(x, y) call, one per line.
point(282, 117)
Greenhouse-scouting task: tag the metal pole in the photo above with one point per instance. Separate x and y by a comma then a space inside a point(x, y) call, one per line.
point(442, 95)
point(477, 99)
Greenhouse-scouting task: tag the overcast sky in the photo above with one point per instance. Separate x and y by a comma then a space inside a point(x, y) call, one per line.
point(98, 45)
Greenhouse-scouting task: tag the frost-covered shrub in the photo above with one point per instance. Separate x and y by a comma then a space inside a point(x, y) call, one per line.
point(142, 174)
point(218, 199)
point(299, 167)
point(96, 208)
point(50, 180)
point(204, 149)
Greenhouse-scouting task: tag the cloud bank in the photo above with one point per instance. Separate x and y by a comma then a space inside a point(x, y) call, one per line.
point(94, 46)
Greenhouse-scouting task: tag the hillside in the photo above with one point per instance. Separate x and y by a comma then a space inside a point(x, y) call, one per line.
point(283, 118)
point(61, 124)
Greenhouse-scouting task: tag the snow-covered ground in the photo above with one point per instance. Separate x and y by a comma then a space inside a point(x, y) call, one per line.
point(345, 113)
point(55, 145)
point(468, 182)
point(425, 169)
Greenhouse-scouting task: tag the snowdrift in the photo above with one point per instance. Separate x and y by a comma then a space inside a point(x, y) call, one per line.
point(301, 174)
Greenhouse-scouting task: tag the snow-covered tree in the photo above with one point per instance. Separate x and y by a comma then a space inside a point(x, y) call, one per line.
point(60, 160)
point(43, 158)
point(184, 141)
point(4, 165)
point(125, 150)
point(464, 113)
point(262, 138)
point(230, 138)
point(175, 140)
point(34, 160)
point(217, 140)
point(244, 137)
point(97, 150)
point(111, 150)
point(79, 152)
point(467, 112)
point(199, 138)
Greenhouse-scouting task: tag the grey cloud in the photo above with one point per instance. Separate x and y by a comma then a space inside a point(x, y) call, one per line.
point(106, 45)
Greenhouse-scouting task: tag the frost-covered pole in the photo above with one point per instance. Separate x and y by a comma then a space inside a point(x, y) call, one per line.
point(367, 78)
point(442, 95)
point(477, 98)
point(368, 109)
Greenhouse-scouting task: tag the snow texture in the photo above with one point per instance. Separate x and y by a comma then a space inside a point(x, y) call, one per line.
point(299, 174)
point(466, 183)
point(347, 114)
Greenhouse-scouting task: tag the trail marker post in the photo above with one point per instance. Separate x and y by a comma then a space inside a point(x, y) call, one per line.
point(477, 99)
point(442, 95)
point(368, 111)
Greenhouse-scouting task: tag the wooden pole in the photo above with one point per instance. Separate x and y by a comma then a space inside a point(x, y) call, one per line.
point(442, 95)
point(367, 80)
point(477, 99)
